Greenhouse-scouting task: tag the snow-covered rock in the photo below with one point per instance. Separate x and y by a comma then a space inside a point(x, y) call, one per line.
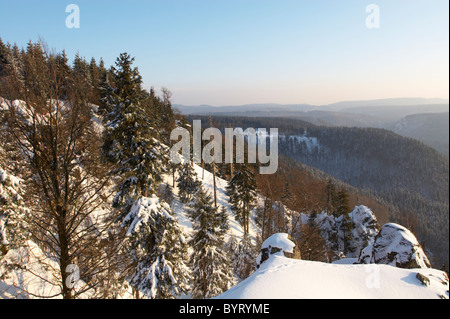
point(396, 246)
point(280, 241)
point(284, 278)
point(365, 229)
point(276, 244)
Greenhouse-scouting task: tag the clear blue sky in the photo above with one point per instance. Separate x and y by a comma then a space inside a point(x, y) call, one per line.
point(228, 52)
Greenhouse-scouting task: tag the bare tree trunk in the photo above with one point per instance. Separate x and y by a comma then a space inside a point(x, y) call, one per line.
point(214, 183)
point(203, 170)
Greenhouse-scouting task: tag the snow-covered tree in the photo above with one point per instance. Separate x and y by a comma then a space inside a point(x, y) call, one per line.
point(188, 184)
point(129, 139)
point(212, 273)
point(242, 193)
point(13, 225)
point(157, 245)
point(244, 257)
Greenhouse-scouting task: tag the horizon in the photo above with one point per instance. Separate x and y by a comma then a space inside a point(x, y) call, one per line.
point(443, 101)
point(254, 51)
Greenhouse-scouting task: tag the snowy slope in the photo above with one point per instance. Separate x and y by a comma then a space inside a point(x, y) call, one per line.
point(181, 210)
point(284, 278)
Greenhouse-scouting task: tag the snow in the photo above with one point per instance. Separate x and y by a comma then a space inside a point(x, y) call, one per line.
point(141, 210)
point(181, 210)
point(279, 240)
point(14, 181)
point(22, 281)
point(310, 142)
point(283, 278)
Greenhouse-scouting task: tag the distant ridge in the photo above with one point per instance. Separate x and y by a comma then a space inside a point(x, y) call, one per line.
point(347, 106)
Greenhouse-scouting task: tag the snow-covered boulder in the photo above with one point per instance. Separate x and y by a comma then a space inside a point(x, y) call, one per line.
point(276, 244)
point(365, 229)
point(396, 246)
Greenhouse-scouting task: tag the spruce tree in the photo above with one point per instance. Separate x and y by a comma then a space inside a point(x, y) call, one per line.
point(4, 52)
point(139, 160)
point(188, 184)
point(158, 249)
point(212, 273)
point(129, 139)
point(242, 193)
point(287, 198)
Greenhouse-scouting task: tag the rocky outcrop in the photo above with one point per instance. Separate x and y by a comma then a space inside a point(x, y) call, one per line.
point(363, 231)
point(396, 246)
point(275, 244)
point(365, 228)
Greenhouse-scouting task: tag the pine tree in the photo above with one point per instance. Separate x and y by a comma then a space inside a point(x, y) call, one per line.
point(4, 52)
point(158, 249)
point(212, 273)
point(188, 184)
point(81, 70)
point(106, 92)
point(242, 193)
point(129, 139)
point(223, 222)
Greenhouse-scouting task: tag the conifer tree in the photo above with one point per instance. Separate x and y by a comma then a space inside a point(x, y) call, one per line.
point(188, 184)
point(244, 257)
point(223, 222)
point(4, 52)
point(212, 273)
point(129, 138)
point(330, 192)
point(242, 193)
point(342, 213)
point(14, 230)
point(106, 92)
point(155, 241)
point(158, 249)
point(287, 198)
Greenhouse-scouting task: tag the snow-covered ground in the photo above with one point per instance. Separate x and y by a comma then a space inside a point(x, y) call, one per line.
point(32, 277)
point(284, 278)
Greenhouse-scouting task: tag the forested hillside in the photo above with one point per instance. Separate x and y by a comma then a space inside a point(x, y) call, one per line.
point(403, 172)
point(430, 128)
